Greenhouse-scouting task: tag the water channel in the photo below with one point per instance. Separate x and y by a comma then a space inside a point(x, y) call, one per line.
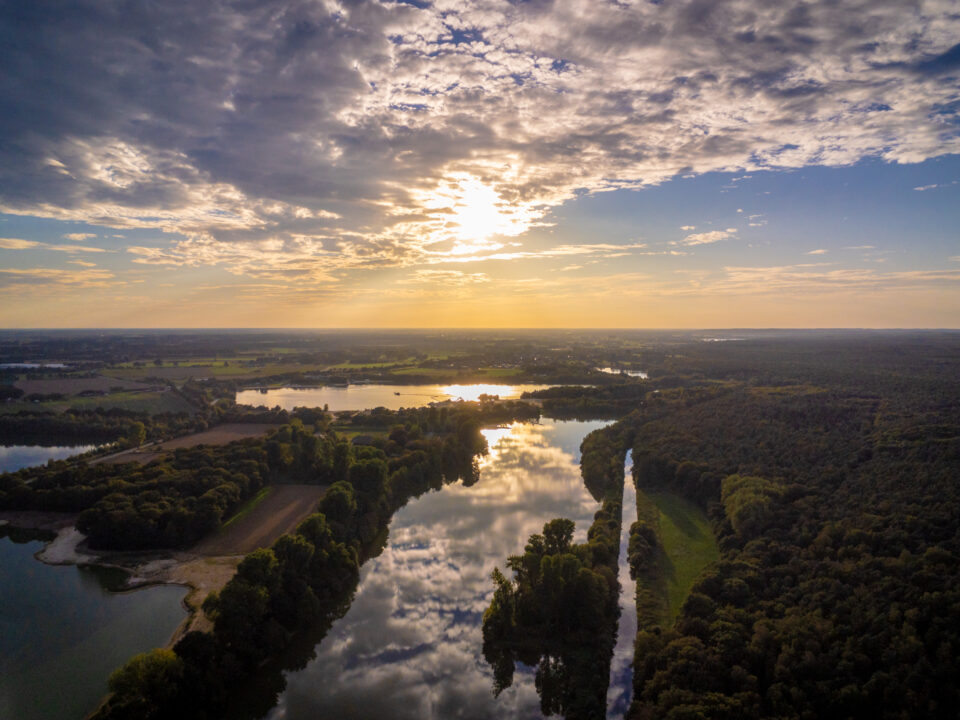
point(621, 669)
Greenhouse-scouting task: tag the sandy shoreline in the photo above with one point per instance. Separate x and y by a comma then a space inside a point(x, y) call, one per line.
point(201, 574)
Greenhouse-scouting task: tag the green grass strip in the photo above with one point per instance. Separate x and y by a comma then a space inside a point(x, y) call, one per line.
point(248, 507)
point(688, 543)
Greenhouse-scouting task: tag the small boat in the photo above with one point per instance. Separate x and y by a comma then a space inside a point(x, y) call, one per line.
point(396, 393)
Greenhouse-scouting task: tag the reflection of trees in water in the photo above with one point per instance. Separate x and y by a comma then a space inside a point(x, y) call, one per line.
point(558, 615)
point(559, 612)
point(261, 694)
point(571, 677)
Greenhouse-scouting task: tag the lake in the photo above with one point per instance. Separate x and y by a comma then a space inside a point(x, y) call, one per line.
point(392, 397)
point(410, 646)
point(63, 630)
point(15, 457)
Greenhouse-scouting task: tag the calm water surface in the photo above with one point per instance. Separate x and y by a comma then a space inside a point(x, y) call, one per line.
point(410, 645)
point(15, 457)
point(621, 672)
point(62, 631)
point(392, 397)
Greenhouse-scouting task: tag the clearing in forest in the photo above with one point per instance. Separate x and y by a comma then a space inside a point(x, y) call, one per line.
point(687, 548)
point(275, 510)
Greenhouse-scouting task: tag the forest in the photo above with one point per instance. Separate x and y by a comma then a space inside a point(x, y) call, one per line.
point(833, 488)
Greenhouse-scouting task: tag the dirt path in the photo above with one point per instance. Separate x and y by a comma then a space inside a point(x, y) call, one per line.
point(278, 513)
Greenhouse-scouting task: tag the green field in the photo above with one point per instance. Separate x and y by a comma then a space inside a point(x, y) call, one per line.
point(439, 373)
point(375, 365)
point(217, 370)
point(146, 402)
point(689, 547)
point(688, 543)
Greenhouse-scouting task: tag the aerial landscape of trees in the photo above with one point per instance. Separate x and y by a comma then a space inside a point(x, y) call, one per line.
point(824, 466)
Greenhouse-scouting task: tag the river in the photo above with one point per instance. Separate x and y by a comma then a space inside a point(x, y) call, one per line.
point(410, 646)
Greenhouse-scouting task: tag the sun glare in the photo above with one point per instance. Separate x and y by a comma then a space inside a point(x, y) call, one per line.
point(477, 213)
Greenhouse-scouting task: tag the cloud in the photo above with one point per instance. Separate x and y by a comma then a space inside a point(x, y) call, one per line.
point(688, 227)
point(705, 238)
point(922, 188)
point(79, 237)
point(816, 278)
point(447, 277)
point(81, 263)
point(17, 244)
point(13, 279)
point(821, 251)
point(73, 249)
point(350, 125)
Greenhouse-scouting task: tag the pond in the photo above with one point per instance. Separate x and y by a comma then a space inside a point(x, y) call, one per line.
point(392, 397)
point(410, 646)
point(15, 457)
point(629, 373)
point(63, 630)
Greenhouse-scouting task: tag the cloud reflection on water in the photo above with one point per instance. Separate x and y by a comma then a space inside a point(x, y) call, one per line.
point(410, 645)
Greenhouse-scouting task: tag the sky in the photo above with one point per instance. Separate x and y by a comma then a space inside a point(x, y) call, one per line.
point(538, 163)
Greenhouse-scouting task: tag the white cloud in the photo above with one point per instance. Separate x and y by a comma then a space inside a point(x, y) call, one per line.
point(447, 277)
point(688, 227)
point(821, 251)
point(73, 249)
point(705, 238)
point(79, 237)
point(11, 279)
point(17, 244)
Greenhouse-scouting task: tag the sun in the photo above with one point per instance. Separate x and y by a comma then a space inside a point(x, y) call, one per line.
point(469, 212)
point(477, 212)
